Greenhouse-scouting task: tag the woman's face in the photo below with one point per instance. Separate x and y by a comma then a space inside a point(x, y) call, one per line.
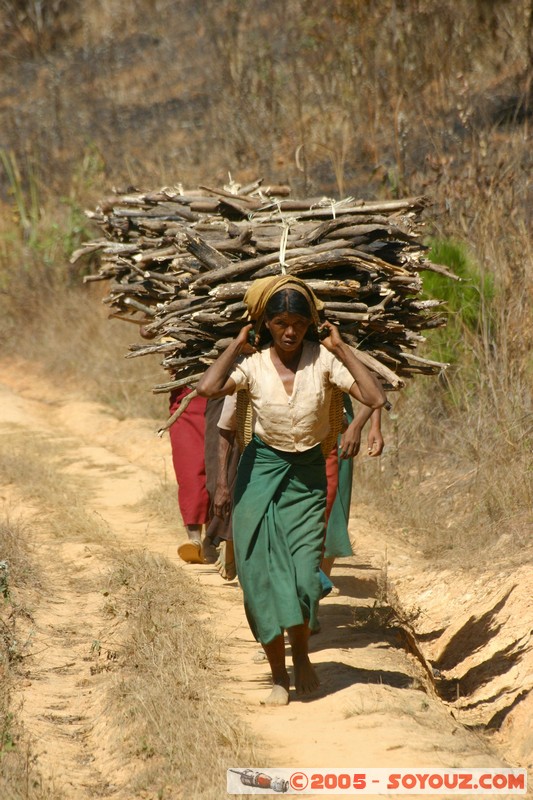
point(288, 330)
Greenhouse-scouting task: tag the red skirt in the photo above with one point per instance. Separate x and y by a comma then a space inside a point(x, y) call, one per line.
point(332, 476)
point(187, 436)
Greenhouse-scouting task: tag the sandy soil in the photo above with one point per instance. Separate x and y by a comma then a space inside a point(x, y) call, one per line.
point(377, 706)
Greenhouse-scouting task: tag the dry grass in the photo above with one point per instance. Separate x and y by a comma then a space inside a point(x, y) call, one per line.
point(50, 318)
point(176, 729)
point(19, 775)
point(162, 502)
point(22, 571)
point(168, 704)
point(253, 83)
point(86, 350)
point(36, 467)
point(65, 333)
point(457, 472)
point(463, 489)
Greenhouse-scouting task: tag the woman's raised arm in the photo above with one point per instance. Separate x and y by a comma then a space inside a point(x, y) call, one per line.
point(215, 382)
point(365, 388)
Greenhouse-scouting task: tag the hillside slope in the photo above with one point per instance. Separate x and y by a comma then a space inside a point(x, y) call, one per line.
point(354, 96)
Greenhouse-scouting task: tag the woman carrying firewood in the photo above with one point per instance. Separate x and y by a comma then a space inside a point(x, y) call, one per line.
point(280, 493)
point(187, 435)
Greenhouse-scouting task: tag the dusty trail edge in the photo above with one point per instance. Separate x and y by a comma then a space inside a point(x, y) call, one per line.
point(378, 706)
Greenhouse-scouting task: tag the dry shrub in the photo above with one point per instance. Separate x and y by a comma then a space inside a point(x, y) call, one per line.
point(459, 486)
point(364, 93)
point(14, 550)
point(456, 472)
point(166, 698)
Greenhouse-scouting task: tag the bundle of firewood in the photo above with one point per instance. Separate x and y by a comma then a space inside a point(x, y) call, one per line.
point(179, 262)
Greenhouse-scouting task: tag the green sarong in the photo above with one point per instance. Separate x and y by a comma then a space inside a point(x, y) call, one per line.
point(338, 544)
point(278, 530)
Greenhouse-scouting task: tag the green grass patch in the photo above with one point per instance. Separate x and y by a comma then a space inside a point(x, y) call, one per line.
point(468, 302)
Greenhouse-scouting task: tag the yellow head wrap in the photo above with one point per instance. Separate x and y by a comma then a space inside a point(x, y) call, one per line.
point(262, 289)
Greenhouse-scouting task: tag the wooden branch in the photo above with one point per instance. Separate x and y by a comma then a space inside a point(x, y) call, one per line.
point(212, 259)
point(177, 413)
point(177, 384)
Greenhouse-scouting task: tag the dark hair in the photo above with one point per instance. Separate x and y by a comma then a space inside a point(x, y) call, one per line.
point(288, 301)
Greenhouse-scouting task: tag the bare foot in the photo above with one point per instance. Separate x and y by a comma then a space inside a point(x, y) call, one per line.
point(305, 678)
point(225, 563)
point(279, 696)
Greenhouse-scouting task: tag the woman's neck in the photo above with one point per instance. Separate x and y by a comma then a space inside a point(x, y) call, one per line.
point(288, 359)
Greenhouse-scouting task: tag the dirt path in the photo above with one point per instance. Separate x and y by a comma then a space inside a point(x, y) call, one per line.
point(376, 709)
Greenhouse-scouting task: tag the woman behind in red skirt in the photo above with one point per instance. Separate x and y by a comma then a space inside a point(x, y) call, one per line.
point(187, 438)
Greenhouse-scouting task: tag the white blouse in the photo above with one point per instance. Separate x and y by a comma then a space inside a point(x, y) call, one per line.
point(299, 421)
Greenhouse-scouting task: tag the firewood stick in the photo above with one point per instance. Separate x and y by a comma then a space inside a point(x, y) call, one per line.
point(177, 413)
point(253, 264)
point(129, 301)
point(127, 319)
point(205, 253)
point(177, 384)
